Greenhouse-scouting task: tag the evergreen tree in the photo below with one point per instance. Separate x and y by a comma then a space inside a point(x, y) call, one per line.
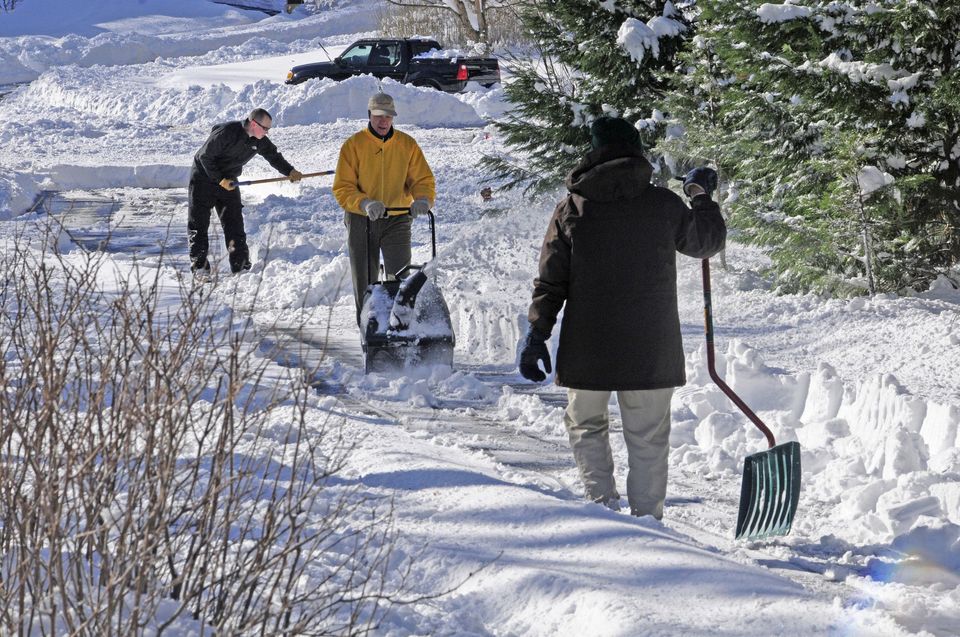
point(737, 108)
point(906, 54)
point(596, 57)
point(805, 98)
point(700, 95)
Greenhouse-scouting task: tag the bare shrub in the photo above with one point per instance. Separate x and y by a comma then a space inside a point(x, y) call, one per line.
point(156, 472)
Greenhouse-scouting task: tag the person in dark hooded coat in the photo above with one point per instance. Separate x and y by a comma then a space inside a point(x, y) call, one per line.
point(609, 261)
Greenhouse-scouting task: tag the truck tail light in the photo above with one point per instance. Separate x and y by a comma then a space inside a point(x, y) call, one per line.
point(462, 73)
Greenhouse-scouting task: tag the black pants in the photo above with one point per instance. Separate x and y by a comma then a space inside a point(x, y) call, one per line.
point(204, 195)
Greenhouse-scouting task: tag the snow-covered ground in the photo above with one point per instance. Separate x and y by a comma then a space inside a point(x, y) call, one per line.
point(476, 460)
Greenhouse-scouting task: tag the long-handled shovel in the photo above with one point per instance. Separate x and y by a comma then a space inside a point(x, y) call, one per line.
point(273, 179)
point(770, 488)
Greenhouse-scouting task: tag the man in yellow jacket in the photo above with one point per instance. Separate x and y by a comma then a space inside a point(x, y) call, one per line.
point(379, 168)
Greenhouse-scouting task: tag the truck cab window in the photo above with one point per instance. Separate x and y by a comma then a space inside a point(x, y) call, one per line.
point(356, 55)
point(385, 55)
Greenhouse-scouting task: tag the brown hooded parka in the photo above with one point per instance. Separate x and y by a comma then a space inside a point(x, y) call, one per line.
point(609, 257)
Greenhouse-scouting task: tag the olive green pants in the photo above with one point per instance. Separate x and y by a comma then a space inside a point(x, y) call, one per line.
point(646, 431)
point(390, 236)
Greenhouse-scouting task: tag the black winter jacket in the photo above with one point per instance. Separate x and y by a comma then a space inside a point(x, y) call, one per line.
point(609, 255)
point(228, 148)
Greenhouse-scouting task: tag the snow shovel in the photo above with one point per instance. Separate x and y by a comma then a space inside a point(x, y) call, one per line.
point(273, 179)
point(770, 488)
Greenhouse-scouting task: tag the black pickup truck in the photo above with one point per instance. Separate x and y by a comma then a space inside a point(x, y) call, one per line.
point(406, 60)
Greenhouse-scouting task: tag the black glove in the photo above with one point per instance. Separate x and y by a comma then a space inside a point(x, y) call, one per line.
point(704, 177)
point(534, 350)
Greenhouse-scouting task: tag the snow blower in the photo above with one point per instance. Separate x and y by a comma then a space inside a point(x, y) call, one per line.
point(404, 320)
point(770, 488)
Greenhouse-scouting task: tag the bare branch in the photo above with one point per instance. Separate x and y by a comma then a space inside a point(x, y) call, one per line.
point(151, 458)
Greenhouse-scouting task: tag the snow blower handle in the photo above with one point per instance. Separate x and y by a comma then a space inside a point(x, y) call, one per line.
point(433, 228)
point(273, 179)
point(711, 359)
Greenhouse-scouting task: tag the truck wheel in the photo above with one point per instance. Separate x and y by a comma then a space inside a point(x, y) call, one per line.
point(427, 84)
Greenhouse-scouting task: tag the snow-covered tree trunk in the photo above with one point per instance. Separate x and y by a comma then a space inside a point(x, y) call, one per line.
point(867, 246)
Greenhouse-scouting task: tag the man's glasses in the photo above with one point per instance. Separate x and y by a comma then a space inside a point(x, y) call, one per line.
point(265, 128)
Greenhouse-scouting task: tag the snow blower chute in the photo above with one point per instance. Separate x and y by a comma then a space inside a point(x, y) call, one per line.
point(404, 321)
point(770, 488)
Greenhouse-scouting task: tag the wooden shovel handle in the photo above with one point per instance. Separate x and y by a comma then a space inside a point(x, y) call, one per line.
point(273, 179)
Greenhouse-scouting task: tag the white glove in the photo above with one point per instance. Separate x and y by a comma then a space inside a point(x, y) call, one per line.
point(374, 209)
point(419, 207)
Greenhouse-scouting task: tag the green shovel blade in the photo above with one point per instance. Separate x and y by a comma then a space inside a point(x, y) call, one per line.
point(769, 492)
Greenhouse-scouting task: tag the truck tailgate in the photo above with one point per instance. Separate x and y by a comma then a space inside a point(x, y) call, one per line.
point(485, 71)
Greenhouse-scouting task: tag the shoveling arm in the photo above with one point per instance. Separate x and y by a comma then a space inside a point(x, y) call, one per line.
point(273, 179)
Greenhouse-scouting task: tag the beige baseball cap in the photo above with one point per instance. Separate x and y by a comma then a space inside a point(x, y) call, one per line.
point(381, 104)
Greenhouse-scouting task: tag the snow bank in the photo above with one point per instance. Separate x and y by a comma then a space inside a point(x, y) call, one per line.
point(18, 191)
point(888, 460)
point(327, 101)
point(24, 58)
point(489, 103)
point(32, 17)
point(129, 98)
point(68, 177)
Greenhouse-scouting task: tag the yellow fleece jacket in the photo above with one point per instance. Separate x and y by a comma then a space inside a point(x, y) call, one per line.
point(393, 171)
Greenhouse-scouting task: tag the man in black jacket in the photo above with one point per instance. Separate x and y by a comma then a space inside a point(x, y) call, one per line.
point(609, 258)
point(216, 167)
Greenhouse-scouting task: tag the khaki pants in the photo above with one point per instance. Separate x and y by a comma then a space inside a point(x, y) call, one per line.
point(390, 235)
point(646, 430)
